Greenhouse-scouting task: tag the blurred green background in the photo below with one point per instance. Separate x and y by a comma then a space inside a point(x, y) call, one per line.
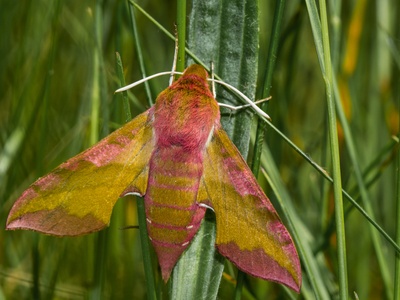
point(57, 58)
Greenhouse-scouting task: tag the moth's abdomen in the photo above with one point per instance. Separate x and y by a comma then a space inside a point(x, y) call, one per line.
point(173, 216)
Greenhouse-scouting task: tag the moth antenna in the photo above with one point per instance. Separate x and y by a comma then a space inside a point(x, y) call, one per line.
point(171, 79)
point(245, 105)
point(212, 80)
point(258, 110)
point(129, 86)
point(262, 100)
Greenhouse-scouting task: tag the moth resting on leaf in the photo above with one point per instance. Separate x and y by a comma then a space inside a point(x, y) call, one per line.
point(179, 158)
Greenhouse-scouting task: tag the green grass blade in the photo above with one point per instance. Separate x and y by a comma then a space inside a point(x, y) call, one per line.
point(7, 155)
point(121, 77)
point(267, 84)
point(397, 257)
point(316, 29)
point(95, 101)
point(138, 48)
point(350, 144)
point(197, 275)
point(171, 36)
point(98, 109)
point(396, 71)
point(144, 238)
point(146, 253)
point(334, 144)
point(181, 28)
point(366, 200)
point(321, 37)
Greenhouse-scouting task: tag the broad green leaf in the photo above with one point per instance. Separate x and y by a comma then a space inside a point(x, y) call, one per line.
point(225, 33)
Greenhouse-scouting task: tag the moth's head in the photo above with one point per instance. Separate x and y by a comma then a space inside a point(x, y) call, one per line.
point(196, 70)
point(195, 76)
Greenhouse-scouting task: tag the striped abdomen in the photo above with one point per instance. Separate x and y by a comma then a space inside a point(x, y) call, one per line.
point(173, 216)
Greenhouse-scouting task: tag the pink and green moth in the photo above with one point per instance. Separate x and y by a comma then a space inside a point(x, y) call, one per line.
point(177, 156)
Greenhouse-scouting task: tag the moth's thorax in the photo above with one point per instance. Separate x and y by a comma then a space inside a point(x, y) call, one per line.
point(185, 113)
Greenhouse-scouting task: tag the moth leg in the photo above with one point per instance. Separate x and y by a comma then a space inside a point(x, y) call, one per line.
point(171, 78)
point(212, 80)
point(232, 107)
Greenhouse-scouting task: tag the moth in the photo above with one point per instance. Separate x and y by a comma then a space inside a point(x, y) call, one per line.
point(177, 156)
